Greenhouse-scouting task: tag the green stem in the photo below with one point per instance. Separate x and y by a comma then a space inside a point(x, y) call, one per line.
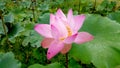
point(33, 8)
point(94, 6)
point(79, 6)
point(4, 26)
point(66, 55)
point(5, 30)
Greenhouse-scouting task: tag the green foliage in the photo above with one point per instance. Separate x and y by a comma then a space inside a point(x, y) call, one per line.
point(104, 50)
point(34, 39)
point(9, 18)
point(20, 17)
point(15, 30)
point(74, 64)
point(7, 60)
point(115, 16)
point(44, 18)
point(53, 65)
point(106, 6)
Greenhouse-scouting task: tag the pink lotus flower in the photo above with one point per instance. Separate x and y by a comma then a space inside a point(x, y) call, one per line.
point(62, 32)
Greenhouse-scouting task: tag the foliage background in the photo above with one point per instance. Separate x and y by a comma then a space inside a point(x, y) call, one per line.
point(20, 44)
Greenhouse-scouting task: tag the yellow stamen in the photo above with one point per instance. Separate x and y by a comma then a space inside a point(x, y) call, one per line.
point(62, 38)
point(69, 31)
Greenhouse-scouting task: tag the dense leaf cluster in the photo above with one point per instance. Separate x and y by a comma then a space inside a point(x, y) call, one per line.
point(20, 44)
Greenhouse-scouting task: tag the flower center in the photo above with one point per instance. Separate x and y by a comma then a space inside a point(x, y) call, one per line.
point(69, 33)
point(62, 38)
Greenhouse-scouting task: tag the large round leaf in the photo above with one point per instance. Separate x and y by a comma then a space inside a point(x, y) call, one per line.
point(7, 60)
point(52, 65)
point(104, 50)
point(115, 16)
